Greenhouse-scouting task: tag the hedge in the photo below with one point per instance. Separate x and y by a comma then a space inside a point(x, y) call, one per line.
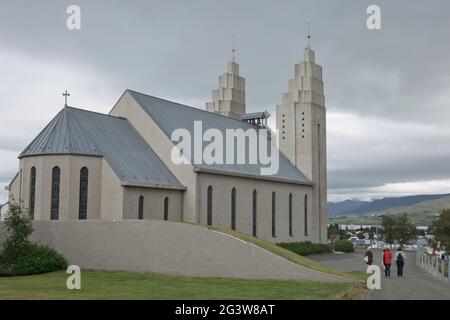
point(344, 246)
point(305, 248)
point(30, 259)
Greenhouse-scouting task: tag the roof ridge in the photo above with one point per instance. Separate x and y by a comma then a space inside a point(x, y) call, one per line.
point(96, 112)
point(185, 105)
point(52, 130)
point(67, 132)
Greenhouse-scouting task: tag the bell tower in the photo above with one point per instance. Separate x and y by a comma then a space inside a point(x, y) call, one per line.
point(229, 99)
point(301, 121)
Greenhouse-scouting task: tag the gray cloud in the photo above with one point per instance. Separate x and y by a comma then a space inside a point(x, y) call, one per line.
point(176, 50)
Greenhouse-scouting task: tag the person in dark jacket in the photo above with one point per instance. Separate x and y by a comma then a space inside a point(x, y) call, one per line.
point(400, 259)
point(368, 257)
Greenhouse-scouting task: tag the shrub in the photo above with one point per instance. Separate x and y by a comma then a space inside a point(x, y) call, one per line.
point(305, 248)
point(19, 255)
point(344, 246)
point(30, 259)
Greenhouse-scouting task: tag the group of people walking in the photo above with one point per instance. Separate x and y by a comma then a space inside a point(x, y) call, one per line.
point(399, 258)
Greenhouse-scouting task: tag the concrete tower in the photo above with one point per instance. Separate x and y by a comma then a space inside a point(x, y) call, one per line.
point(229, 99)
point(301, 120)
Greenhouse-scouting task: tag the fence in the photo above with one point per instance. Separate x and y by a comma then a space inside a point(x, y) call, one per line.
point(434, 265)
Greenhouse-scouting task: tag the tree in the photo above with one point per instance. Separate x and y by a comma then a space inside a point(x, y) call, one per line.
point(398, 227)
point(334, 231)
point(405, 230)
point(21, 256)
point(388, 228)
point(421, 233)
point(440, 229)
point(19, 228)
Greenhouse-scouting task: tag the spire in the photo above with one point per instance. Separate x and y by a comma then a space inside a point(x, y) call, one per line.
point(309, 33)
point(309, 54)
point(233, 57)
point(229, 98)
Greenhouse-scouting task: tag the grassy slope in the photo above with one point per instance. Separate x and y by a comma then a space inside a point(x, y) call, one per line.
point(123, 285)
point(286, 254)
point(421, 213)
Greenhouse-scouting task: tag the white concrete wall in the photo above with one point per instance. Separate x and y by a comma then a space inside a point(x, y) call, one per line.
point(301, 119)
point(127, 107)
point(153, 203)
point(111, 207)
point(14, 189)
point(165, 247)
point(70, 167)
point(221, 211)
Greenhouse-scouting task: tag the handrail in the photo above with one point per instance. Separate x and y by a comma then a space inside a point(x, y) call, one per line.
point(434, 265)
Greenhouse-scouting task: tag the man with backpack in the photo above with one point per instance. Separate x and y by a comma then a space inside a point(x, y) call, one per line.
point(400, 259)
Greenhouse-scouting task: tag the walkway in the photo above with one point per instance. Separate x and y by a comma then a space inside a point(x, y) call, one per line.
point(415, 284)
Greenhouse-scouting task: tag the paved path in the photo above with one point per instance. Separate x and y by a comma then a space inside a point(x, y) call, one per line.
point(415, 284)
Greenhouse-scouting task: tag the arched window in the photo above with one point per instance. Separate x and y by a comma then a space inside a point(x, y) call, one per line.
point(290, 215)
point(274, 196)
point(166, 208)
point(254, 212)
point(84, 177)
point(209, 206)
point(233, 209)
point(32, 192)
point(141, 208)
point(306, 214)
point(56, 176)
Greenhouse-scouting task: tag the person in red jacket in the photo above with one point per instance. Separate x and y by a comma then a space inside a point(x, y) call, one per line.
point(387, 261)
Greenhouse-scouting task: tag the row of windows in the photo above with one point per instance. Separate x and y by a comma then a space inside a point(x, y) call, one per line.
point(141, 208)
point(83, 199)
point(55, 190)
point(254, 211)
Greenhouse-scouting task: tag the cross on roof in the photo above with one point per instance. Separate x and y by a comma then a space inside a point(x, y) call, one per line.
point(65, 94)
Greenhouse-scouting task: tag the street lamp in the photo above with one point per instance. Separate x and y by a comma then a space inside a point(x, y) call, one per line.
point(376, 226)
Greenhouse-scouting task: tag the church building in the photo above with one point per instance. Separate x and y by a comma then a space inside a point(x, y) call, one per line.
point(90, 166)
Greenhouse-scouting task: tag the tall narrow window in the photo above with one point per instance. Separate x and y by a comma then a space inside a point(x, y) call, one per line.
point(141, 208)
point(32, 192)
point(84, 177)
point(56, 176)
point(306, 214)
point(209, 206)
point(254, 212)
point(233, 209)
point(290, 215)
point(166, 208)
point(274, 234)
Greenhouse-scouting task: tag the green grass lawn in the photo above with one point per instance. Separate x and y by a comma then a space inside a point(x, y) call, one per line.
point(125, 285)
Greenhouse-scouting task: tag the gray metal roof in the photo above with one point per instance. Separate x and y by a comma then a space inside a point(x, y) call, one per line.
point(170, 116)
point(256, 115)
point(81, 132)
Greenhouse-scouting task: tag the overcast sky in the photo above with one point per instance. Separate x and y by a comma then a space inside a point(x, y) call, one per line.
point(387, 91)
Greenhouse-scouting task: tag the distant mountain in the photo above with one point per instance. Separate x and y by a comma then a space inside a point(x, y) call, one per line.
point(354, 207)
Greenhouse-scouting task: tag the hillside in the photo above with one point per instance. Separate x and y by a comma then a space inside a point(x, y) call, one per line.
point(352, 207)
point(421, 213)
